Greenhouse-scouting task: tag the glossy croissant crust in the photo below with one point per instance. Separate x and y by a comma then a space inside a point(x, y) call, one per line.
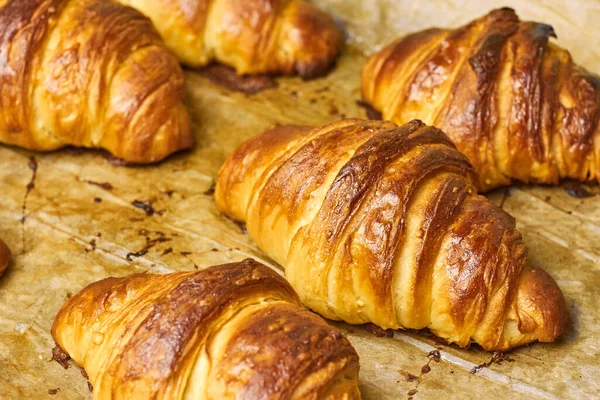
point(88, 73)
point(234, 331)
point(253, 36)
point(4, 257)
point(510, 100)
point(380, 223)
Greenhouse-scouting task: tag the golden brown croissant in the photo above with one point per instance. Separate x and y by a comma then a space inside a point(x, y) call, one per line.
point(4, 257)
point(516, 105)
point(379, 223)
point(253, 36)
point(234, 331)
point(89, 73)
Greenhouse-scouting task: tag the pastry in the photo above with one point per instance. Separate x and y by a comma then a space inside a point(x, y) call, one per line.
point(379, 223)
point(89, 73)
point(513, 102)
point(234, 331)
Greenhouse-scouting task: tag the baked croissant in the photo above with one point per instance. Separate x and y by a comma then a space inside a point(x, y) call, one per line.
point(88, 73)
point(380, 223)
point(4, 257)
point(234, 331)
point(516, 105)
point(253, 36)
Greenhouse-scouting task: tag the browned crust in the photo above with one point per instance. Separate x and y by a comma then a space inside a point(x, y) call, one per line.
point(251, 157)
point(188, 313)
point(441, 212)
point(516, 105)
point(4, 257)
point(108, 68)
point(380, 223)
point(353, 202)
point(526, 136)
point(296, 341)
point(387, 60)
point(304, 171)
point(542, 304)
point(317, 39)
point(270, 352)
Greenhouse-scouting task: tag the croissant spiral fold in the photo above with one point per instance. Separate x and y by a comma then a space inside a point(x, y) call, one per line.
point(89, 73)
point(512, 101)
point(234, 331)
point(380, 223)
point(253, 36)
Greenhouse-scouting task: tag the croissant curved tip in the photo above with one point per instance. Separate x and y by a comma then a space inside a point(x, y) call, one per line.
point(313, 41)
point(541, 306)
point(143, 148)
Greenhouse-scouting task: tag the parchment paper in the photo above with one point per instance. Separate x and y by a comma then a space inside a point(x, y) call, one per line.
point(81, 224)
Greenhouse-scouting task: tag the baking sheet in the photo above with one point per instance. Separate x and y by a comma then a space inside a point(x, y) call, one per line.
point(81, 225)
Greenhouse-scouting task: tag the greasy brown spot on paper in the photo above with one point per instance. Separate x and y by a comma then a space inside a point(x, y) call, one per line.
point(370, 112)
point(33, 166)
point(150, 243)
point(211, 190)
point(145, 205)
point(408, 377)
point(186, 255)
point(102, 185)
point(60, 356)
point(242, 226)
point(434, 355)
point(92, 246)
point(226, 77)
point(497, 358)
point(378, 331)
point(577, 190)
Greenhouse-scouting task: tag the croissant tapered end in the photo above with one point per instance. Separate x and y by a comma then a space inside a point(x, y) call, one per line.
point(231, 331)
point(252, 158)
point(309, 41)
point(4, 257)
point(89, 73)
point(513, 102)
point(538, 313)
point(541, 306)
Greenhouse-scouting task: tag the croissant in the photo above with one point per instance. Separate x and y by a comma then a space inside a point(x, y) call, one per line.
point(253, 36)
point(4, 257)
point(380, 223)
point(234, 331)
point(516, 105)
point(88, 73)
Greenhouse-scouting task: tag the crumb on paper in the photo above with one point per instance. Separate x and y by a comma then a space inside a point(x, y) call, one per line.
point(21, 328)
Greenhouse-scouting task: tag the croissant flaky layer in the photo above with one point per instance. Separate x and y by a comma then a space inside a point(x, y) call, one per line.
point(4, 257)
point(254, 36)
point(89, 73)
point(380, 223)
point(234, 331)
point(515, 104)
